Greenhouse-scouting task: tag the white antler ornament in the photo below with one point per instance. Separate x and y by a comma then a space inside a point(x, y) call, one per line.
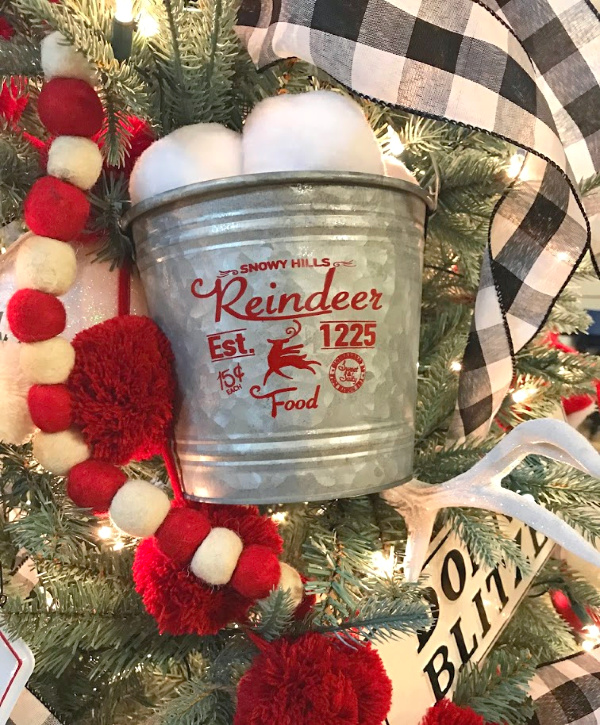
point(481, 487)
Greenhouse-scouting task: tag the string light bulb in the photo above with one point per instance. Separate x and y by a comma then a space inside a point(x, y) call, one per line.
point(395, 145)
point(456, 366)
point(279, 517)
point(124, 11)
point(105, 532)
point(523, 394)
point(384, 564)
point(147, 25)
point(118, 545)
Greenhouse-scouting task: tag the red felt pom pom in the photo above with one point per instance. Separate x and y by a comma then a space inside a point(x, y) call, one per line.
point(180, 602)
point(34, 316)
point(122, 386)
point(56, 209)
point(93, 484)
point(6, 29)
point(446, 712)
point(50, 407)
point(314, 679)
point(257, 572)
point(181, 533)
point(70, 107)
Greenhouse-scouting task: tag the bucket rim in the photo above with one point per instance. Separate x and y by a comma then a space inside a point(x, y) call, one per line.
point(275, 178)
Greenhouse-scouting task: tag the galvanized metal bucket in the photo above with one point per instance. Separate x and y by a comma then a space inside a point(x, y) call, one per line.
point(292, 302)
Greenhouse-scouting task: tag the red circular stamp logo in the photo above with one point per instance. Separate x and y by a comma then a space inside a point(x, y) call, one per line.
point(347, 372)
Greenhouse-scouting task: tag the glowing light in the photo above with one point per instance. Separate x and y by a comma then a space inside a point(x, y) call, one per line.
point(124, 11)
point(395, 145)
point(147, 25)
point(588, 645)
point(563, 256)
point(118, 545)
point(515, 166)
point(593, 632)
point(523, 394)
point(384, 564)
point(279, 517)
point(105, 532)
point(455, 366)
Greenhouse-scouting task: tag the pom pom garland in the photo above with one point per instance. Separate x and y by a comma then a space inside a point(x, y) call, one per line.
point(445, 712)
point(188, 155)
point(215, 559)
point(291, 582)
point(34, 316)
point(181, 533)
point(15, 422)
point(56, 209)
point(330, 132)
point(49, 362)
point(313, 679)
point(50, 407)
point(257, 572)
point(93, 484)
point(59, 59)
point(59, 452)
point(76, 160)
point(139, 508)
point(70, 107)
point(123, 388)
point(45, 264)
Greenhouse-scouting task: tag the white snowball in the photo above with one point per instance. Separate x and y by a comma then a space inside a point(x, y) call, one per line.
point(322, 130)
point(59, 452)
point(395, 169)
point(48, 362)
point(189, 155)
point(217, 556)
point(291, 582)
point(139, 508)
point(15, 422)
point(76, 160)
point(61, 60)
point(45, 264)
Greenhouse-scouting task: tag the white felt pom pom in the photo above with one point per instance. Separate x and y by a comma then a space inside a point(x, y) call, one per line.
point(291, 582)
point(75, 159)
point(45, 264)
point(61, 60)
point(48, 362)
point(139, 508)
point(322, 130)
point(189, 155)
point(59, 452)
point(15, 422)
point(217, 556)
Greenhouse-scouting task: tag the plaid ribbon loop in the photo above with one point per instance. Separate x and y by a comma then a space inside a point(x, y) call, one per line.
point(527, 71)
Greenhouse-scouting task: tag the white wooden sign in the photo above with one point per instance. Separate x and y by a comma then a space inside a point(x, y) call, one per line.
point(471, 606)
point(16, 666)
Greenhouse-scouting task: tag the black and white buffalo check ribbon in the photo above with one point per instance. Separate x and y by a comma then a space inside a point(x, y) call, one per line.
point(525, 70)
point(567, 692)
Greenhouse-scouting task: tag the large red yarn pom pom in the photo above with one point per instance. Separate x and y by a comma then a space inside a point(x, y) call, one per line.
point(122, 386)
point(314, 679)
point(93, 484)
point(180, 602)
point(181, 533)
point(34, 316)
point(50, 407)
point(56, 209)
point(445, 712)
point(70, 107)
point(257, 572)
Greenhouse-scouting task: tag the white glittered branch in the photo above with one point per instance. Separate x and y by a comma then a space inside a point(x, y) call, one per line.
point(481, 487)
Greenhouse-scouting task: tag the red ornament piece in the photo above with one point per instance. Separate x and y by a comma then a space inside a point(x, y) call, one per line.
point(56, 209)
point(50, 407)
point(257, 572)
point(314, 679)
point(93, 484)
point(6, 29)
point(181, 533)
point(180, 602)
point(122, 387)
point(70, 107)
point(34, 316)
point(445, 712)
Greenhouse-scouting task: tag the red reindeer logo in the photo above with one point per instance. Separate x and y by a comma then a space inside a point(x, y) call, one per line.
point(281, 356)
